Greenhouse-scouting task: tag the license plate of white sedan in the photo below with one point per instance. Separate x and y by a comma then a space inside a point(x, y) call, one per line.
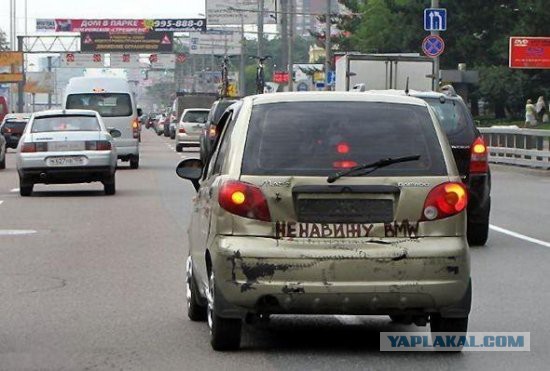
point(66, 161)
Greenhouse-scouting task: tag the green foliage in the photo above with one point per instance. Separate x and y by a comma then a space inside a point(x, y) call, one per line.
point(504, 88)
point(4, 43)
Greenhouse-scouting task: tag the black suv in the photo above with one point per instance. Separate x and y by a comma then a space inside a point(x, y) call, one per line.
point(470, 155)
point(210, 132)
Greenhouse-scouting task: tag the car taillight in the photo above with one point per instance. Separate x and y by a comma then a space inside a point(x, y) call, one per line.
point(181, 130)
point(479, 162)
point(212, 132)
point(34, 147)
point(135, 128)
point(98, 145)
point(244, 199)
point(344, 164)
point(445, 200)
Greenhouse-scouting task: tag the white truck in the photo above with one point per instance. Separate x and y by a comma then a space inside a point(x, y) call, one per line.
point(383, 72)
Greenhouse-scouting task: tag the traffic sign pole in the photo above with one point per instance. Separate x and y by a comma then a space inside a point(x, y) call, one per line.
point(435, 4)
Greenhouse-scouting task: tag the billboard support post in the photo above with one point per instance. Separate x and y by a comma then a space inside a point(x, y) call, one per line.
point(21, 84)
point(49, 71)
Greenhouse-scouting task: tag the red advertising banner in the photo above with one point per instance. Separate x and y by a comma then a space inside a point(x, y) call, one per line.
point(530, 52)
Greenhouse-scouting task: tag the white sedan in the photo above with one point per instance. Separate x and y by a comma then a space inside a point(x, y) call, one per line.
point(66, 146)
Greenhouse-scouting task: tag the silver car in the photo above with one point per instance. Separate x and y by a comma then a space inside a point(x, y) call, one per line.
point(66, 146)
point(190, 127)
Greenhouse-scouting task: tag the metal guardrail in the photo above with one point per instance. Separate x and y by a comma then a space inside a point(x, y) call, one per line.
point(516, 146)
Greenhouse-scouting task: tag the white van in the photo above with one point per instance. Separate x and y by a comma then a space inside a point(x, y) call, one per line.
point(113, 99)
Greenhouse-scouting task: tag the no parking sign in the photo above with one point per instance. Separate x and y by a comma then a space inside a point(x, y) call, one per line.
point(433, 46)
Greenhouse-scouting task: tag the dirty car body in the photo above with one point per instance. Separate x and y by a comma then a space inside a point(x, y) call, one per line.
point(271, 234)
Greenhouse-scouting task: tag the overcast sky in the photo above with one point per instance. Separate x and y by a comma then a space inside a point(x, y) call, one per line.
point(97, 9)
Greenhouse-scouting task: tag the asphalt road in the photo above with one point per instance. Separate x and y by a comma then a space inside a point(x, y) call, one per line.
point(94, 282)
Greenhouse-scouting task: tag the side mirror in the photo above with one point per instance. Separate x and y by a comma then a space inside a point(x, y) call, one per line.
point(190, 169)
point(139, 112)
point(115, 133)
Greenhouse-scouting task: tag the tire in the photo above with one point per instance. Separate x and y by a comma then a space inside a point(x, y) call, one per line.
point(179, 148)
point(159, 133)
point(195, 311)
point(109, 186)
point(172, 135)
point(3, 162)
point(134, 163)
point(225, 333)
point(456, 325)
point(478, 233)
point(25, 188)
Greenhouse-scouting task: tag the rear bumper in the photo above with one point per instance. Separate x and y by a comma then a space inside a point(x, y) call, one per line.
point(125, 151)
point(66, 175)
point(188, 140)
point(418, 276)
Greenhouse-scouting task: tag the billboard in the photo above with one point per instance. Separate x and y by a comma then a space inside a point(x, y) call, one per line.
point(39, 82)
point(10, 67)
point(529, 52)
point(149, 42)
point(235, 12)
point(215, 42)
point(120, 25)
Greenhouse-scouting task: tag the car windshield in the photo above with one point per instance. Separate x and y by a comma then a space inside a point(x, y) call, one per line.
point(453, 119)
point(195, 116)
point(65, 123)
point(317, 138)
point(108, 104)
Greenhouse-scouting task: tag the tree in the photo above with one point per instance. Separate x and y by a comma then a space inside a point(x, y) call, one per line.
point(4, 44)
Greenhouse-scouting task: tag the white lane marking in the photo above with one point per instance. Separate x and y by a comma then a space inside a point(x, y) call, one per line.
point(16, 232)
point(519, 235)
point(14, 190)
point(1, 202)
point(348, 320)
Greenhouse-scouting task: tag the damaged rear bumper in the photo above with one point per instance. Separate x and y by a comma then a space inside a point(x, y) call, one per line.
point(359, 276)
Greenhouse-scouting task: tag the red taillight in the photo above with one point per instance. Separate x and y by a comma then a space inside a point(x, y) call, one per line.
point(244, 199)
point(181, 130)
point(445, 200)
point(28, 147)
point(135, 128)
point(479, 162)
point(99, 145)
point(344, 164)
point(342, 148)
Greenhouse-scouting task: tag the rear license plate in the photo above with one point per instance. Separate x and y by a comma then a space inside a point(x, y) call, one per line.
point(344, 210)
point(66, 146)
point(66, 161)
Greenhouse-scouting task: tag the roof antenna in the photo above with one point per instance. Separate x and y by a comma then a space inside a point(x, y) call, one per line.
point(407, 86)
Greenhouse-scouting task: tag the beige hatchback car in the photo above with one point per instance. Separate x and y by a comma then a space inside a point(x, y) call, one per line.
point(327, 203)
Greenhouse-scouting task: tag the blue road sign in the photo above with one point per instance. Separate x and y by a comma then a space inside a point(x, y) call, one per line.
point(331, 78)
point(435, 19)
point(433, 45)
point(302, 86)
point(320, 85)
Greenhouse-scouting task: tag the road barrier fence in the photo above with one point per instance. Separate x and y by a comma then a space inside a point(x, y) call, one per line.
point(517, 146)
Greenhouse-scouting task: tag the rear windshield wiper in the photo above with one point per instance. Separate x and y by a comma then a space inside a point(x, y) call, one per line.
point(373, 165)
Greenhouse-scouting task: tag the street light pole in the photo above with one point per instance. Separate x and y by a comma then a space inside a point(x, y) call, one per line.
point(435, 4)
point(327, 43)
point(291, 46)
point(260, 28)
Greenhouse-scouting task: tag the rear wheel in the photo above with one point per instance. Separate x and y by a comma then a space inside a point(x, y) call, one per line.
point(458, 326)
point(3, 162)
point(478, 233)
point(179, 148)
point(134, 162)
point(109, 185)
point(25, 188)
point(225, 333)
point(195, 311)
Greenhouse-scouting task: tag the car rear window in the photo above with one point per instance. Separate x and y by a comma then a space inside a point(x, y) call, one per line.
point(220, 109)
point(65, 123)
point(454, 119)
point(319, 138)
point(195, 116)
point(15, 124)
point(107, 104)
